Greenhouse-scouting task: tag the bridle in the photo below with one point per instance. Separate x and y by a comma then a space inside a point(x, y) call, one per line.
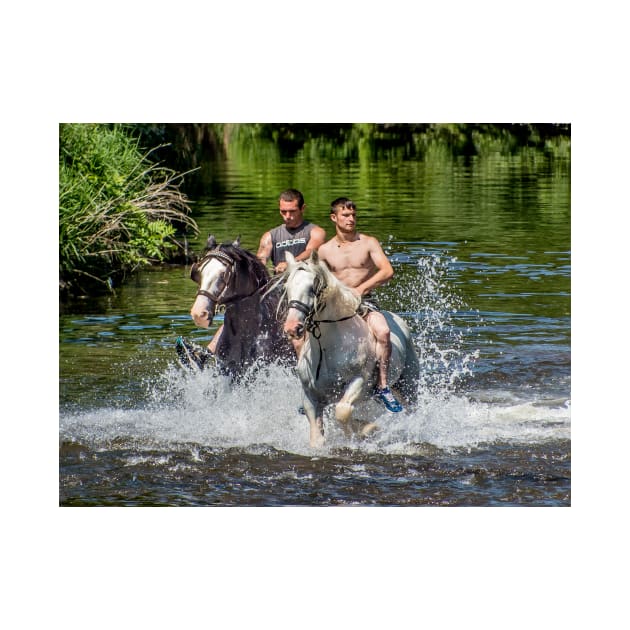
point(309, 313)
point(310, 323)
point(197, 268)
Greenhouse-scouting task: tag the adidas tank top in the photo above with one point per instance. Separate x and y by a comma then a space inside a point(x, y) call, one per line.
point(285, 240)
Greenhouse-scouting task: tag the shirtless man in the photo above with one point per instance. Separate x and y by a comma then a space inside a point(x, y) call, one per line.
point(296, 235)
point(360, 263)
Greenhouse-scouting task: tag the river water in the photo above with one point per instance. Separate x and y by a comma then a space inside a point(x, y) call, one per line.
point(481, 251)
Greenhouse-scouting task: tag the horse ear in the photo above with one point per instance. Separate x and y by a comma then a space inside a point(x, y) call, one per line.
point(237, 241)
point(314, 256)
point(195, 276)
point(211, 242)
point(290, 258)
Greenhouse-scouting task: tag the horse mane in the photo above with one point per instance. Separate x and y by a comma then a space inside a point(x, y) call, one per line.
point(329, 291)
point(250, 265)
point(245, 262)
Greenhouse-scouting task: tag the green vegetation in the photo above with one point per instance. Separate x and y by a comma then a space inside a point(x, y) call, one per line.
point(192, 144)
point(118, 210)
point(211, 146)
point(417, 139)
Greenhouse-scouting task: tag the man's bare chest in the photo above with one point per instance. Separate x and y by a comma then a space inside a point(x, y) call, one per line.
point(349, 256)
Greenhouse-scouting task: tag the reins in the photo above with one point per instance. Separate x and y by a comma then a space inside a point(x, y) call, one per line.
point(312, 325)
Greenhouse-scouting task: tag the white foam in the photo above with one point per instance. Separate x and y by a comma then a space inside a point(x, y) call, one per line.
point(204, 409)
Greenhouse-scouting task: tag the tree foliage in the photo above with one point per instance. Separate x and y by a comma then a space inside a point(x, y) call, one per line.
point(118, 210)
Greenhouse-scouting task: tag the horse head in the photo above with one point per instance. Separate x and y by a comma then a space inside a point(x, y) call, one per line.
point(302, 290)
point(311, 290)
point(224, 274)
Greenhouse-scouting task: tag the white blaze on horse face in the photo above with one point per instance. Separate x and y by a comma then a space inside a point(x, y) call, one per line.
point(213, 282)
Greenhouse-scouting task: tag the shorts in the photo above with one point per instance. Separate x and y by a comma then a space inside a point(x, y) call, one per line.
point(368, 304)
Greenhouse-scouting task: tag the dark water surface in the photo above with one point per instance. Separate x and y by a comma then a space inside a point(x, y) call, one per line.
point(481, 251)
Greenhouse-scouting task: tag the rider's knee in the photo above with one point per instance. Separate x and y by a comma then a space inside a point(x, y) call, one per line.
point(384, 336)
point(380, 329)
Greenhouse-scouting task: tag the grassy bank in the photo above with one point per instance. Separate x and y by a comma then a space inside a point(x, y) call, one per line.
point(118, 210)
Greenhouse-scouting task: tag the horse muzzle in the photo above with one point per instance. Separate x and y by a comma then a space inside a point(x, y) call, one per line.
point(202, 320)
point(295, 326)
point(202, 311)
point(294, 329)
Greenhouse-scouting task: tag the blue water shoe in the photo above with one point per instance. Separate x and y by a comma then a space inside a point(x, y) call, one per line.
point(387, 398)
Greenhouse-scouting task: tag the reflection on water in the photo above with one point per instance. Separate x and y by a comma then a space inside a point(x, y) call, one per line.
point(482, 259)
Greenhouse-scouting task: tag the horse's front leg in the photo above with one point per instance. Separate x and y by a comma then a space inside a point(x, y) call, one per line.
point(345, 407)
point(315, 414)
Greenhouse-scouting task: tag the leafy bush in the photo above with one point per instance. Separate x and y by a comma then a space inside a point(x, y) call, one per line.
point(117, 210)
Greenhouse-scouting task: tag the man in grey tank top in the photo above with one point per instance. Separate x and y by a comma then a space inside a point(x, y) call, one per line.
point(295, 235)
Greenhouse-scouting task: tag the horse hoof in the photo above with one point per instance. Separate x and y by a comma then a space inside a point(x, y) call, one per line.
point(343, 412)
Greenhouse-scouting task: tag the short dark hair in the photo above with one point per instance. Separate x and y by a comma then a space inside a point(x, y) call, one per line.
point(291, 194)
point(342, 202)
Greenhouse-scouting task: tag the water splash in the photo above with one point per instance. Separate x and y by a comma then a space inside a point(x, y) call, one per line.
point(204, 409)
point(430, 305)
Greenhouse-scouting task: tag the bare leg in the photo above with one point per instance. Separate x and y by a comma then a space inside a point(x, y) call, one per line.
point(383, 354)
point(378, 325)
point(379, 328)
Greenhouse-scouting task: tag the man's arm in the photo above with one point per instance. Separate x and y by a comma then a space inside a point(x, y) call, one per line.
point(318, 236)
point(384, 269)
point(323, 251)
point(264, 248)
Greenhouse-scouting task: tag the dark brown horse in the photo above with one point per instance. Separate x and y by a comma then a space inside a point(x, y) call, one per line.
point(234, 278)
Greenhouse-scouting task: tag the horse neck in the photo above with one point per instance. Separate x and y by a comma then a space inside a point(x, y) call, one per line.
point(245, 286)
point(248, 316)
point(339, 301)
point(241, 328)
